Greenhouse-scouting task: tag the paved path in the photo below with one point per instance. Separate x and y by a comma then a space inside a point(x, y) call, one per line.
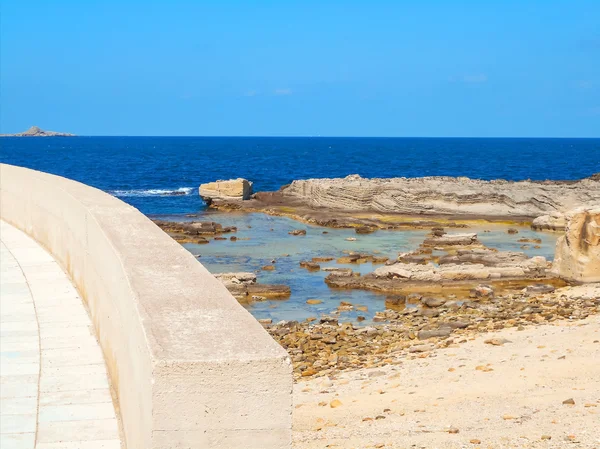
point(54, 388)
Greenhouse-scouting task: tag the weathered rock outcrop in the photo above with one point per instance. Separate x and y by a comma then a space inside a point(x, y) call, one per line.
point(464, 239)
point(193, 231)
point(244, 288)
point(239, 278)
point(35, 131)
point(232, 189)
point(509, 265)
point(551, 222)
point(577, 254)
point(445, 195)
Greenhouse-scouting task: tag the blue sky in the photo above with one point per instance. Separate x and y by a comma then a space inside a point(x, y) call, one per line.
point(302, 68)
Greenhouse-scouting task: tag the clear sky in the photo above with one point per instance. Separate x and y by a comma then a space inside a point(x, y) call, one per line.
point(302, 68)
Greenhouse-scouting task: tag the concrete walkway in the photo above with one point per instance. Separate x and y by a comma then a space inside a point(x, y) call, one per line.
point(54, 387)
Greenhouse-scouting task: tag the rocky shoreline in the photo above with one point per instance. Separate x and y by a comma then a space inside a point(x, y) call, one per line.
point(400, 203)
point(439, 295)
point(328, 346)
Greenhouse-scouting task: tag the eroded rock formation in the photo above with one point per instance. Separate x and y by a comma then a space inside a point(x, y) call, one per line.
point(232, 189)
point(577, 254)
point(551, 222)
point(445, 195)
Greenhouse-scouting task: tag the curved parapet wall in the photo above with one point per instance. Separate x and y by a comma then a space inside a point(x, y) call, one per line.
point(190, 367)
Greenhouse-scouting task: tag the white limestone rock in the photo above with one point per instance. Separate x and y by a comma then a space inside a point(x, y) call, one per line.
point(232, 189)
point(551, 222)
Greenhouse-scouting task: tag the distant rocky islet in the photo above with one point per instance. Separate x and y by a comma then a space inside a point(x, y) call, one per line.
point(36, 131)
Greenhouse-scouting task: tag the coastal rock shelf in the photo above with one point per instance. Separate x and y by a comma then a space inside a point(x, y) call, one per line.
point(446, 195)
point(397, 203)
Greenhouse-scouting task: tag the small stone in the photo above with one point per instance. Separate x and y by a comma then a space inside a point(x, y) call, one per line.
point(420, 348)
point(569, 401)
point(438, 333)
point(309, 372)
point(433, 302)
point(546, 437)
point(453, 430)
point(508, 417)
point(313, 301)
point(298, 232)
point(335, 403)
point(496, 341)
point(484, 368)
point(475, 441)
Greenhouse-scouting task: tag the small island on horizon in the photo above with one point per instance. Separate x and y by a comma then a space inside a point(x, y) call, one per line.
point(36, 131)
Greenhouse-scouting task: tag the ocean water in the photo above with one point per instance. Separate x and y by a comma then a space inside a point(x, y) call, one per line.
point(143, 171)
point(160, 176)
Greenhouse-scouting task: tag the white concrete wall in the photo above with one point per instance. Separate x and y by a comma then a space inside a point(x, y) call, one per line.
point(191, 367)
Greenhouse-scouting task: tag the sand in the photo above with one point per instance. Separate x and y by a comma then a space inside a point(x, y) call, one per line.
point(506, 396)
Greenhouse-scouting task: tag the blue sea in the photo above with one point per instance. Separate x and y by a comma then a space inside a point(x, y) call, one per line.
point(143, 171)
point(160, 176)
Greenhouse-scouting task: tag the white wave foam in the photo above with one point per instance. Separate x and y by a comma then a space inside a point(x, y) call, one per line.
point(152, 192)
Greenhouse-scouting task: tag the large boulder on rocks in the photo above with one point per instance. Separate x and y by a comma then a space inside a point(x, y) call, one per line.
point(552, 222)
point(232, 189)
point(577, 254)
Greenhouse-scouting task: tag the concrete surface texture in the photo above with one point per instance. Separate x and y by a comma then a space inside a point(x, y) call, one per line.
point(55, 390)
point(190, 367)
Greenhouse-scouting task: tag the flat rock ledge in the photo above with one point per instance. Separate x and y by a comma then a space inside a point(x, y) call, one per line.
point(196, 232)
point(244, 288)
point(447, 195)
point(422, 198)
point(551, 222)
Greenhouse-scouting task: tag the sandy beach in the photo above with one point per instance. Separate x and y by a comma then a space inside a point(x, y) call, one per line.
point(471, 394)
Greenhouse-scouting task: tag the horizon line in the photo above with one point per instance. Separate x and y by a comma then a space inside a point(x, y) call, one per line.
point(310, 137)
